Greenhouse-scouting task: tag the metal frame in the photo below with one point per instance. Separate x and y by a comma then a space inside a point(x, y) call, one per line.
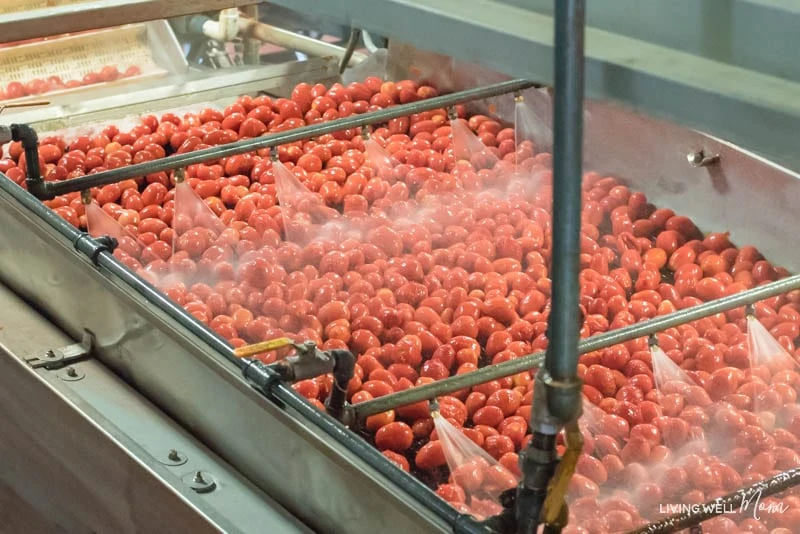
point(89, 411)
point(95, 14)
point(751, 108)
point(175, 92)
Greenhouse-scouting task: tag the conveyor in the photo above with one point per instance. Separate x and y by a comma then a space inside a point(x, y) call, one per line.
point(148, 421)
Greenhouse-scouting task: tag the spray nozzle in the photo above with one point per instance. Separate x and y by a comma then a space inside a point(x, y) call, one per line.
point(452, 114)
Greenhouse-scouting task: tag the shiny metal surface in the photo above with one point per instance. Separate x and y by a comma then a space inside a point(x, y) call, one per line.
point(123, 422)
point(58, 462)
point(90, 15)
point(174, 92)
point(291, 460)
point(754, 109)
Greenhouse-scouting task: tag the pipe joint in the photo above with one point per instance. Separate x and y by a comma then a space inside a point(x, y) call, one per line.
point(92, 247)
point(261, 376)
point(26, 135)
point(563, 398)
point(555, 402)
point(309, 362)
point(344, 365)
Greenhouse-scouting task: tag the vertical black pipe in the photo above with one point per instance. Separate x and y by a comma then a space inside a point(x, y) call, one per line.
point(557, 394)
point(564, 321)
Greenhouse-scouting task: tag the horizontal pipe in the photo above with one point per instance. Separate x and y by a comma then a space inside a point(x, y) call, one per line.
point(743, 500)
point(253, 29)
point(53, 189)
point(600, 341)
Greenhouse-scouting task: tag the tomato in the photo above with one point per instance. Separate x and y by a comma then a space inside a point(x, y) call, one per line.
point(430, 456)
point(398, 459)
point(394, 436)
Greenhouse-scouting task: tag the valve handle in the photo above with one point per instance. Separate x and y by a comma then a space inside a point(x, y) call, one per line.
point(264, 346)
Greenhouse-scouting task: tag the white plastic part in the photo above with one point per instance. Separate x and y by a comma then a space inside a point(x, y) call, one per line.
point(226, 28)
point(368, 42)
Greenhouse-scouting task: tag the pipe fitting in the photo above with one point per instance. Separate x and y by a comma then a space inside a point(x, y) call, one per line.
point(564, 398)
point(261, 376)
point(344, 366)
point(309, 362)
point(538, 463)
point(93, 246)
point(30, 144)
point(542, 420)
point(225, 29)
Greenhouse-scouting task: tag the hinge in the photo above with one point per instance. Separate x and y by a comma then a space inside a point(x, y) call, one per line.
point(58, 358)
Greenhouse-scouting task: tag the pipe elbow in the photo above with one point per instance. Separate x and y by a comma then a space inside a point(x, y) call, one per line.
point(344, 366)
point(26, 135)
point(223, 30)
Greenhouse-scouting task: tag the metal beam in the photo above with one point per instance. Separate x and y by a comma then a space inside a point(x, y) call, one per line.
point(753, 34)
point(758, 111)
point(83, 16)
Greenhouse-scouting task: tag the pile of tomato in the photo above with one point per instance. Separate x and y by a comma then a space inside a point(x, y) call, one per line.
point(39, 86)
point(451, 274)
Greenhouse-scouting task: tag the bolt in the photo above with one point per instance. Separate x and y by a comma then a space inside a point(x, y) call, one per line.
point(694, 158)
point(71, 372)
point(174, 456)
point(201, 483)
point(698, 158)
point(50, 355)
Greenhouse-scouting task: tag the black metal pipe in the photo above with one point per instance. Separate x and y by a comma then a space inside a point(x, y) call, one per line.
point(47, 190)
point(564, 322)
point(557, 395)
point(344, 367)
point(30, 144)
point(538, 463)
point(352, 42)
point(744, 500)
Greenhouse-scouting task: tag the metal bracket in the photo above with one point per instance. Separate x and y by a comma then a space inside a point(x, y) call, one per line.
point(61, 357)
